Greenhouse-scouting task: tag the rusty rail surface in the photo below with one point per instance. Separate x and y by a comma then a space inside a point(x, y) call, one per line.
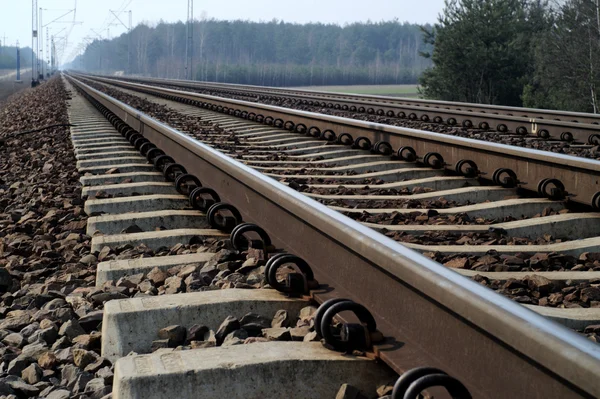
point(577, 179)
point(556, 125)
point(430, 315)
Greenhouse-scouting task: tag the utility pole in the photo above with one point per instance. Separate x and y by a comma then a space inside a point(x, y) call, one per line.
point(129, 43)
point(40, 60)
point(189, 45)
point(47, 51)
point(34, 37)
point(52, 50)
point(18, 63)
point(3, 44)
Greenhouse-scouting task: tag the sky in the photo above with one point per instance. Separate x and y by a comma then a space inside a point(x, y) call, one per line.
point(94, 19)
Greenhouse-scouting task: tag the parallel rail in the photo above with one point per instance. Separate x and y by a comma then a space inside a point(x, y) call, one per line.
point(551, 124)
point(431, 315)
point(529, 168)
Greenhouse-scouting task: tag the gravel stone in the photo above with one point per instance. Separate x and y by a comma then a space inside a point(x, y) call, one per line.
point(175, 335)
point(59, 394)
point(229, 325)
point(17, 365)
point(236, 337)
point(281, 319)
point(82, 357)
point(21, 386)
point(32, 374)
point(349, 392)
point(277, 334)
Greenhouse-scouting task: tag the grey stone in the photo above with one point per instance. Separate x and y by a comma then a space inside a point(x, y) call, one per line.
point(176, 335)
point(157, 276)
point(43, 386)
point(196, 333)
point(14, 339)
point(224, 255)
point(47, 335)
point(46, 391)
point(69, 375)
point(187, 270)
point(173, 285)
point(5, 389)
point(298, 333)
point(229, 325)
point(59, 394)
point(202, 344)
point(277, 334)
point(18, 364)
point(210, 337)
point(281, 319)
point(61, 343)
point(94, 385)
point(64, 355)
point(27, 331)
point(82, 357)
point(88, 260)
point(256, 277)
point(4, 333)
point(47, 323)
point(32, 374)
point(385, 390)
point(311, 336)
point(107, 374)
point(236, 337)
point(71, 329)
point(104, 252)
point(21, 386)
point(100, 298)
point(99, 363)
point(15, 323)
point(159, 344)
point(254, 324)
point(34, 350)
point(81, 381)
point(210, 269)
point(146, 286)
point(307, 312)
point(91, 320)
point(63, 315)
point(54, 304)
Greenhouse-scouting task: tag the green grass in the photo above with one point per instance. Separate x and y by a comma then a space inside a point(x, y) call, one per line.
point(382, 90)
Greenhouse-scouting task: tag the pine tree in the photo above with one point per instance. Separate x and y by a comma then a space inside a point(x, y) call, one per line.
point(481, 51)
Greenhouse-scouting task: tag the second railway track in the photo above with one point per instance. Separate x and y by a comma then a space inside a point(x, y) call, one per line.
point(560, 130)
point(527, 248)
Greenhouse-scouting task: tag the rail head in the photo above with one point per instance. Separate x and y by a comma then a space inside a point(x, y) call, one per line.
point(516, 343)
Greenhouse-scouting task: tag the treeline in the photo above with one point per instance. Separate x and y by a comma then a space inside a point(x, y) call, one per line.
point(516, 52)
point(8, 57)
point(267, 53)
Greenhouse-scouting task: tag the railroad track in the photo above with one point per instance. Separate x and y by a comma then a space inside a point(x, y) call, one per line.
point(429, 315)
point(552, 127)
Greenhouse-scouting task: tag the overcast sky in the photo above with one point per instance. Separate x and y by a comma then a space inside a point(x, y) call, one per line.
point(15, 15)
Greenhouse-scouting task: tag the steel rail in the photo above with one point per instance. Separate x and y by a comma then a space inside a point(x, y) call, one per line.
point(580, 176)
point(430, 315)
point(555, 124)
